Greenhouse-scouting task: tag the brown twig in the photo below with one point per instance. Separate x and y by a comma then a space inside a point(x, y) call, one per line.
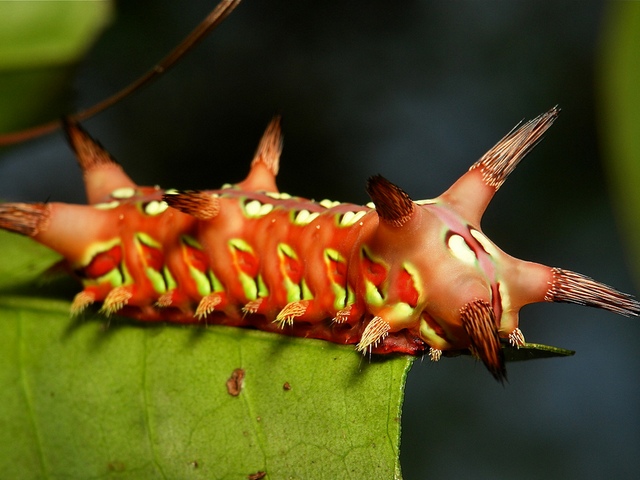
point(217, 15)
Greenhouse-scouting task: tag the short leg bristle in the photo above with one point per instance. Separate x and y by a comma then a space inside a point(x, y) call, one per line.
point(290, 312)
point(516, 338)
point(435, 354)
point(570, 287)
point(252, 307)
point(343, 315)
point(376, 331)
point(165, 300)
point(81, 301)
point(479, 322)
point(116, 299)
point(207, 305)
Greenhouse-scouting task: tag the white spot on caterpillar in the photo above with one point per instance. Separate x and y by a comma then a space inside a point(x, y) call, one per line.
point(326, 203)
point(302, 216)
point(172, 191)
point(257, 209)
point(485, 242)
point(155, 207)
point(349, 218)
point(305, 217)
point(265, 208)
point(461, 250)
point(278, 195)
point(428, 201)
point(107, 206)
point(371, 205)
point(252, 208)
point(359, 215)
point(124, 192)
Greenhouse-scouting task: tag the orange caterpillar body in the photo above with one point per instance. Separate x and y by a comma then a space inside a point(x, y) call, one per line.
point(396, 275)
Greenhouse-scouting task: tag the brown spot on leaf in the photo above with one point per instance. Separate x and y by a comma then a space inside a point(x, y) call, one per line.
point(116, 466)
point(235, 382)
point(257, 475)
point(286, 387)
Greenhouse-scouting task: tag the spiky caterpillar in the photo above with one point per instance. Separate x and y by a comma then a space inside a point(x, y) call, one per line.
point(396, 275)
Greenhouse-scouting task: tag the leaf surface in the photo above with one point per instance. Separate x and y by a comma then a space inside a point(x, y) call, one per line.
point(119, 399)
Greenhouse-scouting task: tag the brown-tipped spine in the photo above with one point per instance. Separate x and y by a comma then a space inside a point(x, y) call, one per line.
point(479, 322)
point(270, 147)
point(498, 163)
point(393, 205)
point(88, 151)
point(571, 287)
point(199, 204)
point(24, 218)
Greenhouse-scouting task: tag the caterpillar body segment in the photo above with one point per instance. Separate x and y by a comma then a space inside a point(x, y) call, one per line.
point(399, 275)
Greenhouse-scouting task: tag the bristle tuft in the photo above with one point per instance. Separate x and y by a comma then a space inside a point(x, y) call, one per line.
point(498, 163)
point(81, 301)
point(199, 204)
point(516, 338)
point(165, 300)
point(207, 304)
point(393, 205)
point(24, 218)
point(343, 315)
point(116, 299)
point(270, 147)
point(435, 354)
point(252, 307)
point(571, 287)
point(479, 322)
point(376, 331)
point(88, 151)
point(290, 312)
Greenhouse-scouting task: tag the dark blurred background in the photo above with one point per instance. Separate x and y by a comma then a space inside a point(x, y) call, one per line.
point(416, 91)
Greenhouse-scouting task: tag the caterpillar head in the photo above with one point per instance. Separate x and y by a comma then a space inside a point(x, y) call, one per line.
point(448, 281)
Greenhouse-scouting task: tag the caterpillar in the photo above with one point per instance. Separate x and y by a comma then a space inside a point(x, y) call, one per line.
point(393, 276)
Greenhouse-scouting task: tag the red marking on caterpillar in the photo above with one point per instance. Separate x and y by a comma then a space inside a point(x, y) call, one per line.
point(398, 276)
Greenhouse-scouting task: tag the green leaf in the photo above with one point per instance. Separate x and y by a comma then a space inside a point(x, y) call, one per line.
point(534, 351)
point(34, 34)
point(39, 44)
point(620, 78)
point(121, 399)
